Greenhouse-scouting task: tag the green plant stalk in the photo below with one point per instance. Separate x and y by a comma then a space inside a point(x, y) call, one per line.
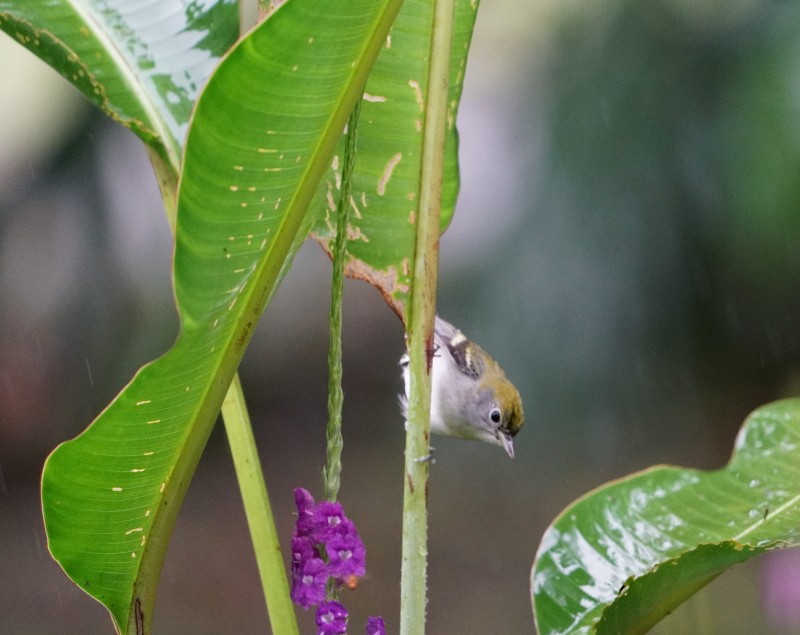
point(258, 511)
point(420, 330)
point(332, 473)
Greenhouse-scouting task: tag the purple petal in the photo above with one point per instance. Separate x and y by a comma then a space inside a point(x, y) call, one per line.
point(330, 520)
point(302, 551)
point(305, 511)
point(375, 626)
point(309, 578)
point(331, 618)
point(346, 555)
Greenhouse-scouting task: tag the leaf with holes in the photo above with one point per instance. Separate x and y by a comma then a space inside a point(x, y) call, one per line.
point(381, 231)
point(625, 555)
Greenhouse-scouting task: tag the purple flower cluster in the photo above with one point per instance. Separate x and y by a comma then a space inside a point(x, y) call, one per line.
point(326, 546)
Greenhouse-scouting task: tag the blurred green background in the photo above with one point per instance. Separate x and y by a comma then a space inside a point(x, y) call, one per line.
point(626, 243)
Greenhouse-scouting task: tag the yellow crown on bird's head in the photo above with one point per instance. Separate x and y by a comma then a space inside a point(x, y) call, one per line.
point(509, 398)
point(506, 395)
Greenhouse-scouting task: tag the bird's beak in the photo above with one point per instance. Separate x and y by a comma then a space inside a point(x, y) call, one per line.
point(508, 444)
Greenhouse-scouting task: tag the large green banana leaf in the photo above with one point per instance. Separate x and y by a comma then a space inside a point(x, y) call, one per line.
point(625, 555)
point(261, 137)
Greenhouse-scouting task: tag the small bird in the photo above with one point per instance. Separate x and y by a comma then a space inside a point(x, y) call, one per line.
point(471, 397)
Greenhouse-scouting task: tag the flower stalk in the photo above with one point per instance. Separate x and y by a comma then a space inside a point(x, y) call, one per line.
point(332, 473)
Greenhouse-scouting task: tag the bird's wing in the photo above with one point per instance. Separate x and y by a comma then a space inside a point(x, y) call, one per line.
point(462, 350)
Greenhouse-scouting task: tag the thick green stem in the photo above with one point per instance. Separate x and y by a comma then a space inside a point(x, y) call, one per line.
point(331, 475)
point(420, 330)
point(259, 514)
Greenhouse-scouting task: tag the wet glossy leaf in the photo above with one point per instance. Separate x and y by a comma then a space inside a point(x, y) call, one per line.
point(381, 230)
point(143, 63)
point(261, 138)
point(626, 554)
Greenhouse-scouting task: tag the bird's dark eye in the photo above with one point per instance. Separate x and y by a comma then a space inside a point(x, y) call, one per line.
point(494, 415)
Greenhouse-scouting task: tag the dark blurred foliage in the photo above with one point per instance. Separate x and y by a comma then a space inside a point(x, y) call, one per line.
point(69, 336)
point(635, 274)
point(653, 278)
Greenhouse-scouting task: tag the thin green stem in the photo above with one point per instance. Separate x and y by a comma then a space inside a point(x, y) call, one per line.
point(420, 330)
point(257, 508)
point(332, 473)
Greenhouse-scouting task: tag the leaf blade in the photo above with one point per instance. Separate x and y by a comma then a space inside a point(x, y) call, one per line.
point(242, 214)
point(621, 557)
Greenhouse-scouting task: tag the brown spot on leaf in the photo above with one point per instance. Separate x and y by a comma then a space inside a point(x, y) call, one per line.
point(385, 281)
